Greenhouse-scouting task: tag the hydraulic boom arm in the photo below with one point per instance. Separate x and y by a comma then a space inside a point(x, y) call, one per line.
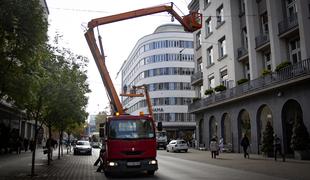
point(191, 23)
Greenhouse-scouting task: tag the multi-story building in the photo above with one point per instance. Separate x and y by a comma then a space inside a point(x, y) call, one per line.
point(164, 62)
point(241, 46)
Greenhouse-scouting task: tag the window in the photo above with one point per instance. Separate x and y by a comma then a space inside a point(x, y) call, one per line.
point(211, 81)
point(245, 37)
point(210, 56)
point(267, 60)
point(291, 9)
point(133, 129)
point(208, 26)
point(206, 3)
point(224, 77)
point(294, 50)
point(242, 7)
point(198, 40)
point(264, 23)
point(247, 70)
point(199, 67)
point(220, 15)
point(222, 47)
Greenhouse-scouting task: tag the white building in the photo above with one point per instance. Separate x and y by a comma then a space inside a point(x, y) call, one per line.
point(247, 40)
point(164, 62)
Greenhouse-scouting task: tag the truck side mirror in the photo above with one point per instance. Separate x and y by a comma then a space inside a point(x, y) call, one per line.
point(101, 130)
point(159, 126)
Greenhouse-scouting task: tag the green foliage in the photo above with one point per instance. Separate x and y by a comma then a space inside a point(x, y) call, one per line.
point(220, 88)
point(196, 99)
point(23, 34)
point(241, 81)
point(209, 91)
point(267, 144)
point(300, 138)
point(282, 65)
point(100, 118)
point(266, 72)
point(68, 88)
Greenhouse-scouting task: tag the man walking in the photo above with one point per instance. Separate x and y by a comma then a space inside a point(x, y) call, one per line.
point(245, 143)
point(277, 147)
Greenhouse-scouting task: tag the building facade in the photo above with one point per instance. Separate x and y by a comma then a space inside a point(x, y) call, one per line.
point(164, 62)
point(239, 52)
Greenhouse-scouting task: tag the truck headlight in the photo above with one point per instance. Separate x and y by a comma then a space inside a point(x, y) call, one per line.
point(153, 162)
point(112, 163)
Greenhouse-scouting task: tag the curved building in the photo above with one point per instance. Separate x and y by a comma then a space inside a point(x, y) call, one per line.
point(164, 62)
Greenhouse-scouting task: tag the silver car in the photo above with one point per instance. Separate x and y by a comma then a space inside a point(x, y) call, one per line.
point(82, 147)
point(177, 146)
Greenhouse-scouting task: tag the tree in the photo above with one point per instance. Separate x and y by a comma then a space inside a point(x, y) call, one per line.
point(300, 138)
point(101, 117)
point(23, 34)
point(267, 146)
point(67, 107)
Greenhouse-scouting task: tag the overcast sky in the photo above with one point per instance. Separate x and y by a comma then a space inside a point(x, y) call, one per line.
point(70, 18)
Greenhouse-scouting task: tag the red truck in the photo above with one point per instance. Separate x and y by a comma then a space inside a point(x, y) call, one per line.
point(129, 141)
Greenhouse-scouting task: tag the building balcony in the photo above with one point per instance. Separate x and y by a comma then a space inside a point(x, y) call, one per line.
point(196, 79)
point(288, 24)
point(261, 40)
point(242, 52)
point(292, 74)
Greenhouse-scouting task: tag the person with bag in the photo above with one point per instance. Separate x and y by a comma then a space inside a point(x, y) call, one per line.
point(214, 147)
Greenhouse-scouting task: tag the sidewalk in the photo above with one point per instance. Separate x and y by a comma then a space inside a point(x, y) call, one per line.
point(290, 169)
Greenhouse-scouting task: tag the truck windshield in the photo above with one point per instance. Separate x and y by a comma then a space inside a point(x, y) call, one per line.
point(131, 129)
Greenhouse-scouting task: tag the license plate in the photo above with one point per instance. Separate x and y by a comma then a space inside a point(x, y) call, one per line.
point(133, 163)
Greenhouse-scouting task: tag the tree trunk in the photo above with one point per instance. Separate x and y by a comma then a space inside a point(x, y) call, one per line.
point(59, 144)
point(34, 148)
point(69, 142)
point(49, 148)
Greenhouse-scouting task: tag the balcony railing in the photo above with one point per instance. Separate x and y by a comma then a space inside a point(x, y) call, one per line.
point(288, 23)
point(261, 40)
point(294, 71)
point(196, 78)
point(242, 51)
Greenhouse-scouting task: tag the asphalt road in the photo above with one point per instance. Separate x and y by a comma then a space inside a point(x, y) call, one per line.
point(171, 166)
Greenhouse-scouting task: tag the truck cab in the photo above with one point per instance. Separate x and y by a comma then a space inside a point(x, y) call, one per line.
point(130, 144)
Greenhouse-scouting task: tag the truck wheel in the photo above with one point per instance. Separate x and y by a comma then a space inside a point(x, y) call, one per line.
point(151, 172)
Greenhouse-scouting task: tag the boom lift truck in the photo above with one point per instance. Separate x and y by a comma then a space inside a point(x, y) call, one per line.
point(161, 135)
point(133, 93)
point(129, 140)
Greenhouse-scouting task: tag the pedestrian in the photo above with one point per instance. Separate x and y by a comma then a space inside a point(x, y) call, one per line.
point(32, 145)
point(26, 144)
point(245, 143)
point(214, 147)
point(19, 145)
point(100, 160)
point(277, 147)
point(221, 144)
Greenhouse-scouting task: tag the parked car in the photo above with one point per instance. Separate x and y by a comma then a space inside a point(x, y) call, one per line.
point(177, 146)
point(82, 147)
